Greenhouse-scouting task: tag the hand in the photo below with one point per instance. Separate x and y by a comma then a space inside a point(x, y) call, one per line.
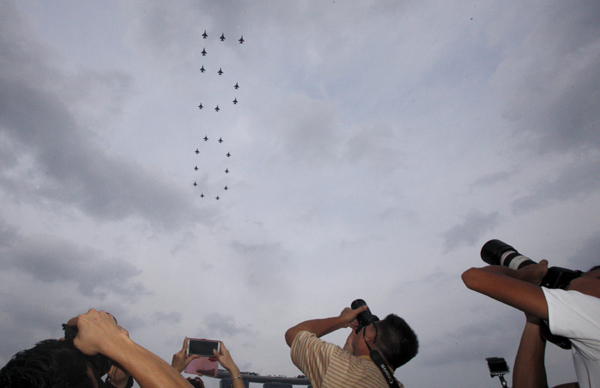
point(96, 332)
point(533, 273)
point(181, 359)
point(226, 361)
point(347, 316)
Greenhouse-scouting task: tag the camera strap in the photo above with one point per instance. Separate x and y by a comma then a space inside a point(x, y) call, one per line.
point(388, 375)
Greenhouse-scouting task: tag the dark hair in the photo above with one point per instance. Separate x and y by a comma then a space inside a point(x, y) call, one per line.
point(396, 341)
point(594, 268)
point(49, 364)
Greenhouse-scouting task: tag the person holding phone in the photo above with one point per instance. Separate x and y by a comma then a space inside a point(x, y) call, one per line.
point(181, 360)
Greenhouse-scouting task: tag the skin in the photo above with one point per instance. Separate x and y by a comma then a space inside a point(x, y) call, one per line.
point(520, 289)
point(227, 362)
point(181, 360)
point(98, 332)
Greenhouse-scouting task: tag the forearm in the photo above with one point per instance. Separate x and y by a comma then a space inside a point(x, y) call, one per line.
point(319, 327)
point(149, 370)
point(529, 370)
point(236, 381)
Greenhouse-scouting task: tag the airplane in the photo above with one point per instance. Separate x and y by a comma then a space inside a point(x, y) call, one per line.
point(220, 140)
point(203, 52)
point(200, 106)
point(217, 197)
point(226, 171)
point(205, 138)
point(228, 154)
point(217, 108)
point(226, 188)
point(234, 101)
point(222, 37)
point(196, 168)
point(197, 152)
point(237, 86)
point(202, 69)
point(220, 71)
point(205, 35)
point(202, 195)
point(195, 184)
point(242, 40)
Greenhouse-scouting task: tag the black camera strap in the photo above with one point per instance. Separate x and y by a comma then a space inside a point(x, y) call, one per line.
point(388, 375)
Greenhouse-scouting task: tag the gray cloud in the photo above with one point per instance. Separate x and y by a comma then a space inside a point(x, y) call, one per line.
point(576, 180)
point(223, 326)
point(61, 160)
point(470, 231)
point(551, 85)
point(53, 260)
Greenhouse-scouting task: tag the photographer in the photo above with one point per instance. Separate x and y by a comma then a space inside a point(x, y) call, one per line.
point(328, 365)
point(573, 312)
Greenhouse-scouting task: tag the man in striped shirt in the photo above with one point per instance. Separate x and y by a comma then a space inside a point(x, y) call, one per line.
point(328, 365)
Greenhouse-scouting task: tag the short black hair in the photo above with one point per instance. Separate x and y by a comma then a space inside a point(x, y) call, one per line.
point(49, 364)
point(396, 341)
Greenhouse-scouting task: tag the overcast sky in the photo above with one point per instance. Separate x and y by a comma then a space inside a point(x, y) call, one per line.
point(375, 147)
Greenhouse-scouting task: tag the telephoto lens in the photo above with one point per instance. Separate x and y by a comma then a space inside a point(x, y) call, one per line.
point(496, 252)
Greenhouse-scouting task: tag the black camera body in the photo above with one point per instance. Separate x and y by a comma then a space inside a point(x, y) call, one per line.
point(496, 252)
point(100, 362)
point(366, 317)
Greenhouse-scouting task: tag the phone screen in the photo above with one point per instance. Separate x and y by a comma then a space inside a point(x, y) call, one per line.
point(202, 347)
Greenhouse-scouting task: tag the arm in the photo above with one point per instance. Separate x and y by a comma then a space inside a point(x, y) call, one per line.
point(516, 288)
point(180, 360)
point(227, 362)
point(529, 370)
point(99, 333)
point(321, 327)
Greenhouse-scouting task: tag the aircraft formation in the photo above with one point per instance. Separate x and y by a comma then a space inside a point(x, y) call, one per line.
point(207, 69)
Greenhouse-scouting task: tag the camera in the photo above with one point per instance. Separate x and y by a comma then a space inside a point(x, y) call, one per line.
point(99, 362)
point(496, 252)
point(365, 318)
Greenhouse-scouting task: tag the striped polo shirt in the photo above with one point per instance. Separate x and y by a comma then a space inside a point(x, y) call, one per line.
point(329, 366)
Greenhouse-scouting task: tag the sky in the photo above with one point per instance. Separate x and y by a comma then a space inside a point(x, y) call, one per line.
point(375, 147)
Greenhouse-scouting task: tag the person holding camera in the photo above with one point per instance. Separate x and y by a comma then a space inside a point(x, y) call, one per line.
point(570, 307)
point(373, 350)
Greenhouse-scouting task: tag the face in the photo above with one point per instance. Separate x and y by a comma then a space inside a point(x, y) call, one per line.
point(588, 283)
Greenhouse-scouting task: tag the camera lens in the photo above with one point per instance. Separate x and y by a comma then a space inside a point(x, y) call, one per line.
point(496, 252)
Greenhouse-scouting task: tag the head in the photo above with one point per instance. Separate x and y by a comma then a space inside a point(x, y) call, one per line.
point(395, 340)
point(49, 364)
point(588, 283)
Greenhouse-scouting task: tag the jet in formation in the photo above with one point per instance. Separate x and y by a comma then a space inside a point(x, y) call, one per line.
point(205, 35)
point(205, 138)
point(195, 184)
point(202, 69)
point(226, 171)
point(235, 101)
point(222, 37)
point(203, 52)
point(236, 86)
point(226, 188)
point(220, 71)
point(196, 168)
point(218, 198)
point(200, 106)
point(228, 154)
point(217, 108)
point(220, 140)
point(197, 151)
point(202, 195)
point(242, 40)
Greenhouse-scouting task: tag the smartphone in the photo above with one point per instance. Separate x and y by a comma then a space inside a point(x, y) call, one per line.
point(202, 347)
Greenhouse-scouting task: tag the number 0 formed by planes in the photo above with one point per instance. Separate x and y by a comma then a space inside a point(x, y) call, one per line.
point(207, 71)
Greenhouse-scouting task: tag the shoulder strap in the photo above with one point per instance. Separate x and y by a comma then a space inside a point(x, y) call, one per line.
point(385, 371)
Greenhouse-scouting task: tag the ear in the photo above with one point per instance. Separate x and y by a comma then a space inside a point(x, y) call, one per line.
point(369, 334)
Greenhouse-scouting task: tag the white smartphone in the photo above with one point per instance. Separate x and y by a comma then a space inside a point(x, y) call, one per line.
point(202, 347)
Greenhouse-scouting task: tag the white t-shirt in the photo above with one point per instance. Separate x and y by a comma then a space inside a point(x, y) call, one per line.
point(576, 316)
